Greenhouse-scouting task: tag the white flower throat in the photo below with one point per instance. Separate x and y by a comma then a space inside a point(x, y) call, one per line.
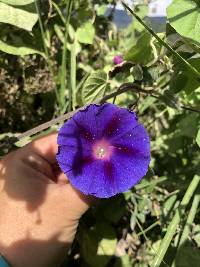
point(101, 152)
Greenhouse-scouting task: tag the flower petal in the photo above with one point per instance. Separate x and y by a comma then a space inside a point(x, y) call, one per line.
point(129, 170)
point(70, 135)
point(113, 121)
point(136, 139)
point(76, 159)
point(97, 179)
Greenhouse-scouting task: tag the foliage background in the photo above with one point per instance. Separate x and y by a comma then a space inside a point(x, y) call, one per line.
point(51, 53)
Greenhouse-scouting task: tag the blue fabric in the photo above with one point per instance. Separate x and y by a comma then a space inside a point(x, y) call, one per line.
point(3, 262)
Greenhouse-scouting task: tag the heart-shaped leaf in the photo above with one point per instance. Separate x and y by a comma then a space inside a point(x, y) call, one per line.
point(95, 87)
point(184, 17)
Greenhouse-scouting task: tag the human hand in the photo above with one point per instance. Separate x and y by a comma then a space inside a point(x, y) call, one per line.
point(39, 209)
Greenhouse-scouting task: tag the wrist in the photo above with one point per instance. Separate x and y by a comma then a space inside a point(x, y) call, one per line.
point(3, 261)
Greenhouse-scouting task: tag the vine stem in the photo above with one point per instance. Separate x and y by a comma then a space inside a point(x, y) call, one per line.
point(122, 89)
point(47, 124)
point(175, 221)
point(149, 228)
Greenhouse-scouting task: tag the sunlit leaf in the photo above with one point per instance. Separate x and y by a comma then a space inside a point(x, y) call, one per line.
point(141, 51)
point(85, 34)
point(22, 18)
point(98, 244)
point(23, 142)
point(17, 2)
point(20, 50)
point(95, 87)
point(169, 204)
point(184, 17)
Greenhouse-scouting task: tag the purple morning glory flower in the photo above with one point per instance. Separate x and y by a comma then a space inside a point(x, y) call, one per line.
point(117, 59)
point(103, 150)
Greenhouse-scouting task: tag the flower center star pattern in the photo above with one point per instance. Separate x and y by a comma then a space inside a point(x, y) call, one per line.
point(103, 150)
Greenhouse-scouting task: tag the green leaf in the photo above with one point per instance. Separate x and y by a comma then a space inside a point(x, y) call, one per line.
point(88, 250)
point(184, 17)
point(59, 32)
point(169, 204)
point(114, 210)
point(137, 72)
point(108, 239)
point(124, 261)
point(187, 126)
point(20, 50)
point(171, 229)
point(98, 244)
point(194, 71)
point(183, 80)
point(95, 87)
point(17, 2)
point(141, 52)
point(22, 18)
point(23, 141)
point(188, 255)
point(101, 10)
point(198, 138)
point(133, 220)
point(170, 99)
point(107, 247)
point(85, 34)
point(146, 103)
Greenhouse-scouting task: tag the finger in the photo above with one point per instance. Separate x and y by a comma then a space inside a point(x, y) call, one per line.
point(61, 178)
point(46, 147)
point(39, 164)
point(78, 202)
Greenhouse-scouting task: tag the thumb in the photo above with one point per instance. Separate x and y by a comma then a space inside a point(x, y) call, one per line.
point(46, 147)
point(77, 201)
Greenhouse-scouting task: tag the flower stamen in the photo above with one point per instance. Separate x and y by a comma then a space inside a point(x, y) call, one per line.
point(102, 150)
